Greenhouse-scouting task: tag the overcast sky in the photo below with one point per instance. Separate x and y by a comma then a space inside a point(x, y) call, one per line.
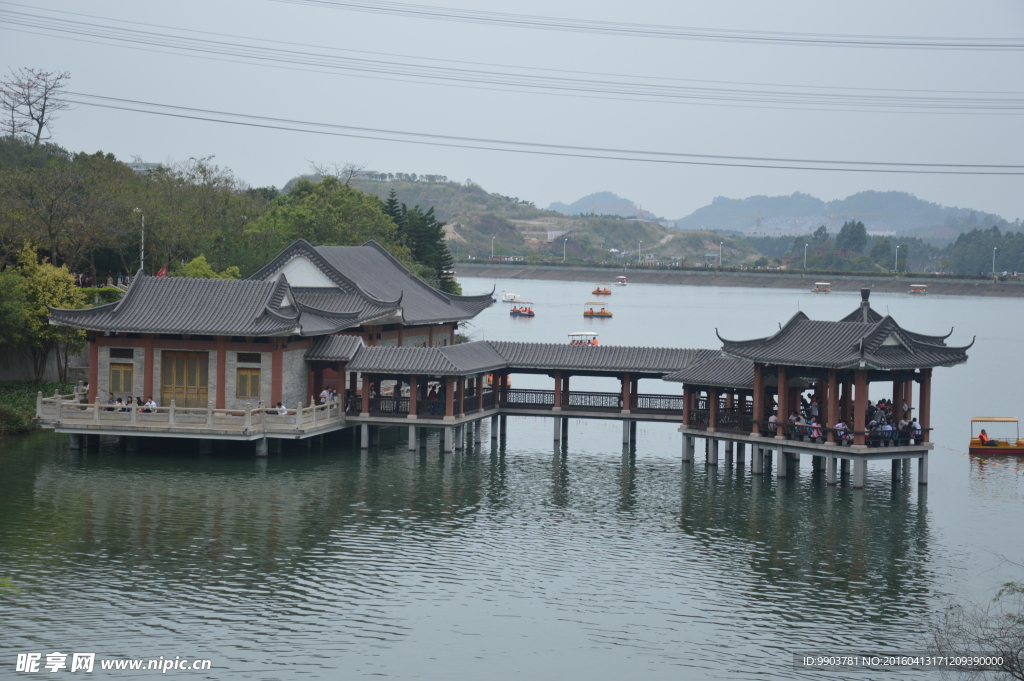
point(410, 103)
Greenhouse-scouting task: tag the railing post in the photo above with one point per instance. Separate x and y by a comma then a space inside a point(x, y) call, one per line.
point(39, 404)
point(133, 419)
point(248, 416)
point(171, 413)
point(209, 415)
point(95, 411)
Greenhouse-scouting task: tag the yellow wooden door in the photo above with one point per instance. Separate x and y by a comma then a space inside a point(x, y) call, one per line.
point(185, 378)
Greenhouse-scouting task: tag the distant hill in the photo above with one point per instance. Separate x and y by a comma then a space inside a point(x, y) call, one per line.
point(881, 212)
point(603, 203)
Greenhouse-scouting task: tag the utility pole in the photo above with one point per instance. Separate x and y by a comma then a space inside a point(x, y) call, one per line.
point(492, 248)
point(564, 242)
point(720, 245)
point(994, 249)
point(896, 266)
point(142, 245)
point(805, 255)
point(638, 250)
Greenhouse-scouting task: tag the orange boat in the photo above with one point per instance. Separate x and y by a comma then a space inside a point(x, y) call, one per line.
point(599, 291)
point(998, 445)
point(597, 310)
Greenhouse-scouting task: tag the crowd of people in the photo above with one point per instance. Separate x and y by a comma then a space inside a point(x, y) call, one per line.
point(86, 281)
point(882, 426)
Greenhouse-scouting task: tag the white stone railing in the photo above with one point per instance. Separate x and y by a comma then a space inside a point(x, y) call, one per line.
point(62, 410)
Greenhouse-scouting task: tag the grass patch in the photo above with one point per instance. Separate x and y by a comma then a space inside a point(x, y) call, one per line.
point(18, 403)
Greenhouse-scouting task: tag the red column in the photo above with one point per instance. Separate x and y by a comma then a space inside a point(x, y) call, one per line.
point(925, 417)
point(625, 391)
point(413, 387)
point(276, 373)
point(449, 396)
point(908, 396)
point(365, 395)
point(712, 408)
point(844, 402)
point(686, 404)
point(430, 336)
point(783, 390)
point(462, 395)
point(634, 388)
point(558, 390)
point(897, 399)
point(833, 404)
point(94, 368)
point(758, 397)
point(148, 369)
point(860, 404)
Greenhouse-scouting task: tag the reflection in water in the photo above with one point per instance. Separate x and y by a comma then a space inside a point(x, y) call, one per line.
point(376, 562)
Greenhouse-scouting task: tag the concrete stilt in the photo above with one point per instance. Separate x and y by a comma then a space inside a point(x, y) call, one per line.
point(494, 427)
point(205, 446)
point(756, 460)
point(460, 436)
point(558, 428)
point(625, 432)
point(375, 435)
point(741, 453)
point(830, 472)
point(728, 454)
point(844, 467)
point(860, 473)
point(261, 447)
point(478, 431)
point(76, 441)
point(449, 438)
point(632, 432)
point(922, 470)
point(412, 438)
point(711, 451)
point(274, 444)
point(504, 425)
point(817, 462)
point(781, 467)
point(423, 438)
point(897, 470)
point(364, 435)
point(688, 447)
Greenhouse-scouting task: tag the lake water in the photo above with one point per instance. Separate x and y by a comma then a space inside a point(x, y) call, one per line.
point(522, 559)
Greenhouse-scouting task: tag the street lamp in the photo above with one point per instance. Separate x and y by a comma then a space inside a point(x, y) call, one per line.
point(564, 242)
point(492, 247)
point(896, 265)
point(142, 245)
point(805, 255)
point(638, 250)
point(720, 244)
point(994, 249)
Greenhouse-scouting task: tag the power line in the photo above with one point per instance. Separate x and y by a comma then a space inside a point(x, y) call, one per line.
point(539, 148)
point(471, 75)
point(565, 24)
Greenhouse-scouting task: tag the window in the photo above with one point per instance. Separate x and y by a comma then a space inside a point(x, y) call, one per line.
point(250, 357)
point(122, 353)
point(121, 376)
point(248, 384)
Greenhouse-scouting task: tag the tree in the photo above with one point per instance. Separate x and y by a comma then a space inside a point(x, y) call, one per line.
point(995, 628)
point(881, 252)
point(198, 268)
point(852, 237)
point(30, 99)
point(46, 287)
point(12, 313)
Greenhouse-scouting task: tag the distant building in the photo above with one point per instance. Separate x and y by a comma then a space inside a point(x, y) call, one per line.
point(143, 168)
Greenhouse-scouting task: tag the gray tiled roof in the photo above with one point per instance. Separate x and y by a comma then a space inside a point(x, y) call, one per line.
point(862, 339)
point(712, 368)
point(593, 358)
point(221, 307)
point(452, 360)
point(368, 276)
point(335, 348)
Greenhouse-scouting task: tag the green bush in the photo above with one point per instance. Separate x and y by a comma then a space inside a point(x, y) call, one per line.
point(102, 296)
point(18, 403)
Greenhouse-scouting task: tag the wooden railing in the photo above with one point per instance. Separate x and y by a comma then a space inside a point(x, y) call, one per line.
point(660, 403)
point(585, 400)
point(538, 399)
point(872, 438)
point(389, 406)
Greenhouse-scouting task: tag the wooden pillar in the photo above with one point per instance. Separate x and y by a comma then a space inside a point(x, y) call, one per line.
point(625, 392)
point(449, 397)
point(634, 388)
point(462, 395)
point(413, 410)
point(832, 412)
point(565, 390)
point(712, 408)
point(351, 382)
point(558, 390)
point(148, 370)
point(844, 402)
point(276, 372)
point(430, 336)
point(366, 395)
point(758, 398)
point(925, 417)
point(687, 393)
point(860, 404)
point(783, 390)
point(94, 368)
point(897, 399)
point(908, 396)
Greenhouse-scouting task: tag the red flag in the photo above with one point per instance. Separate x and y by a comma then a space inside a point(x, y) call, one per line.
point(162, 272)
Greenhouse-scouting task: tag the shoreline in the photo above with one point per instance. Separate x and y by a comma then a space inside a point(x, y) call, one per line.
point(747, 279)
